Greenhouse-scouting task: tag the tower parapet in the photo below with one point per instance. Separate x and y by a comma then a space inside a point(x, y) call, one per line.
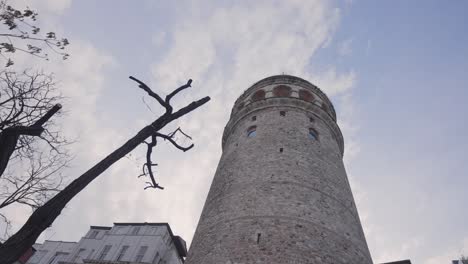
point(285, 90)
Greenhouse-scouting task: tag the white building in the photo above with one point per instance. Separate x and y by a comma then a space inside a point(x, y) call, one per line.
point(51, 252)
point(151, 243)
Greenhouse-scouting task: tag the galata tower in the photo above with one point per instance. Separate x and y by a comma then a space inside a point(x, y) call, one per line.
point(280, 193)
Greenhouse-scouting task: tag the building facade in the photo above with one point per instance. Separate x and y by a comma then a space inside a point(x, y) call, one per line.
point(51, 252)
point(280, 193)
point(149, 243)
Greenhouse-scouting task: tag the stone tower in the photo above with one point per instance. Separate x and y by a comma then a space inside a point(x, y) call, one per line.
point(280, 193)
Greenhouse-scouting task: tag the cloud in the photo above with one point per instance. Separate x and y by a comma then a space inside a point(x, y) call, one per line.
point(334, 83)
point(400, 252)
point(344, 48)
point(247, 42)
point(159, 38)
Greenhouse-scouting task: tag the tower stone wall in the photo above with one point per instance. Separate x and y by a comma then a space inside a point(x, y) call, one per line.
point(280, 193)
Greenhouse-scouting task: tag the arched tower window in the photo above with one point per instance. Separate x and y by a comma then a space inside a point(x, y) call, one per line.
point(282, 91)
point(240, 105)
point(252, 131)
point(306, 95)
point(313, 134)
point(325, 107)
point(258, 95)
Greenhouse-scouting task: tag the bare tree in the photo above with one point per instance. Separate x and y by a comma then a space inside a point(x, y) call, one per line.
point(44, 216)
point(19, 33)
point(31, 151)
point(30, 146)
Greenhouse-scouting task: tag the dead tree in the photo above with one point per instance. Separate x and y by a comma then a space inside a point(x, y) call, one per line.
point(44, 216)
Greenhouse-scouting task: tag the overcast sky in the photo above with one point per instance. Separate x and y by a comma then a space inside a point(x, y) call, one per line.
point(396, 72)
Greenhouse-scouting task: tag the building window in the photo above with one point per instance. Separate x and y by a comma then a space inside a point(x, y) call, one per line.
point(122, 252)
point(254, 118)
point(119, 230)
point(135, 230)
point(91, 254)
point(306, 96)
point(141, 253)
point(258, 95)
point(93, 234)
point(57, 256)
point(313, 134)
point(104, 252)
point(282, 113)
point(168, 240)
point(252, 131)
point(79, 254)
point(282, 91)
point(311, 119)
point(36, 257)
point(156, 258)
point(165, 237)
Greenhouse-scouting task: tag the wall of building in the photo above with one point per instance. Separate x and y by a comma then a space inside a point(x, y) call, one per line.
point(51, 252)
point(157, 238)
point(282, 195)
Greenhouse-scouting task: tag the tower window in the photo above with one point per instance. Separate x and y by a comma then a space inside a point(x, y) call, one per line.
point(240, 106)
point(306, 96)
point(324, 107)
point(258, 95)
point(313, 134)
point(254, 118)
point(252, 131)
point(282, 91)
point(282, 113)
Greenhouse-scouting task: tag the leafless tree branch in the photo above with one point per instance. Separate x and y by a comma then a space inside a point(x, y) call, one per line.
point(150, 92)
